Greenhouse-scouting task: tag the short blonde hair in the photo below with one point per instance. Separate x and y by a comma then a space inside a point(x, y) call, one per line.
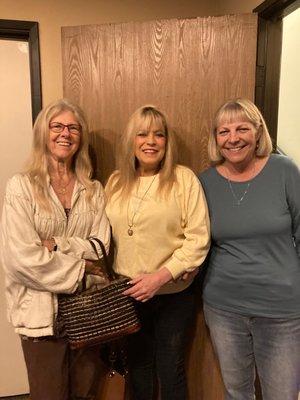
point(143, 118)
point(37, 167)
point(245, 110)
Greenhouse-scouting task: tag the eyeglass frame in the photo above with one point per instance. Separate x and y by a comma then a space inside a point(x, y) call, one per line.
point(62, 127)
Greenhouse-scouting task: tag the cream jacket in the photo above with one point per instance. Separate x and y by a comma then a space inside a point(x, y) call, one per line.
point(34, 276)
point(171, 232)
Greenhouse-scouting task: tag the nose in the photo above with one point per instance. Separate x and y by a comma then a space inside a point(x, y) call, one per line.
point(234, 136)
point(65, 131)
point(151, 138)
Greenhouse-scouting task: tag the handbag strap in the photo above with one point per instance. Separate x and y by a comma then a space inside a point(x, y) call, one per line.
point(108, 270)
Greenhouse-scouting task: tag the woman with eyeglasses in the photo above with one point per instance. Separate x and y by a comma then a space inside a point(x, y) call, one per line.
point(50, 211)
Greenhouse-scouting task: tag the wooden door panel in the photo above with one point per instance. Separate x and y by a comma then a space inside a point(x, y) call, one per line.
point(188, 68)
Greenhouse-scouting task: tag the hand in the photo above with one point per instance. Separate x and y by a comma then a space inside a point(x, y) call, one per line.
point(49, 243)
point(145, 286)
point(189, 275)
point(92, 269)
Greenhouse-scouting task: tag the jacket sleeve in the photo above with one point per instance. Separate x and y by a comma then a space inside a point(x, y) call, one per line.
point(24, 259)
point(196, 228)
point(80, 247)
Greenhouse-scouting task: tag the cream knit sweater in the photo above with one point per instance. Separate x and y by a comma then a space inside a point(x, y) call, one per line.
point(172, 232)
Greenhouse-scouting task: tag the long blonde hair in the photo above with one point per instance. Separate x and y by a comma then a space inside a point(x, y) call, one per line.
point(125, 177)
point(246, 110)
point(37, 166)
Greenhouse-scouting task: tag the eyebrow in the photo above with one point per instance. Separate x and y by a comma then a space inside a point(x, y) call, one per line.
point(72, 123)
point(225, 126)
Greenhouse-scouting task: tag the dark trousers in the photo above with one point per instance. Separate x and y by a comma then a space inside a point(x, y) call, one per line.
point(157, 352)
point(57, 373)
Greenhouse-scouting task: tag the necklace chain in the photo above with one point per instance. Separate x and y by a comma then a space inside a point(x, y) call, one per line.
point(59, 188)
point(238, 201)
point(135, 211)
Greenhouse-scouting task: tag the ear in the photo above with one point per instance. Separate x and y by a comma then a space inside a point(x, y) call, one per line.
point(259, 132)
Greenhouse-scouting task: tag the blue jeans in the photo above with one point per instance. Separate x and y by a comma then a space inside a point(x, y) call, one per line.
point(157, 351)
point(272, 345)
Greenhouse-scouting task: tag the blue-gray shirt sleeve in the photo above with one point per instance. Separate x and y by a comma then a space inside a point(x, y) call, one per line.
point(293, 198)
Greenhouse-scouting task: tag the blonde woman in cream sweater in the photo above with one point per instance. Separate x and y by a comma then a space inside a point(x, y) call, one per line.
point(160, 226)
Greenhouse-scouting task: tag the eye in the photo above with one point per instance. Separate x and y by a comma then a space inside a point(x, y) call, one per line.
point(243, 129)
point(222, 132)
point(142, 134)
point(75, 129)
point(56, 127)
point(160, 134)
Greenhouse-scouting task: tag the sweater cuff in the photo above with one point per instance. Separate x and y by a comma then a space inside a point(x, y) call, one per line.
point(61, 244)
point(176, 267)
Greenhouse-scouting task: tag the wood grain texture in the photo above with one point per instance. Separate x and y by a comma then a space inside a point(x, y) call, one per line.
point(188, 68)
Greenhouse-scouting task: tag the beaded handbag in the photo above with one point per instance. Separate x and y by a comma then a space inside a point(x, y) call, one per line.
point(99, 315)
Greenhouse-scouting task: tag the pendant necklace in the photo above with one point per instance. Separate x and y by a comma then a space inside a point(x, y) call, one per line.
point(135, 211)
point(237, 200)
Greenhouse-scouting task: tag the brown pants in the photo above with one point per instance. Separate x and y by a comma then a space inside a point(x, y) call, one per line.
point(55, 372)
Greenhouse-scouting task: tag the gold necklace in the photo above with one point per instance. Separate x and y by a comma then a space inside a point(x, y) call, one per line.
point(135, 211)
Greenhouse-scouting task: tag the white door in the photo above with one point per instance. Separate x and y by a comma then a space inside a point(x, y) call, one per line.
point(15, 142)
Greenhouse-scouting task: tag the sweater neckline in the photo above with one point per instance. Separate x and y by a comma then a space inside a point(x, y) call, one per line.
point(261, 172)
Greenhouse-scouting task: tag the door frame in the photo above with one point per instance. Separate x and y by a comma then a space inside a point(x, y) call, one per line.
point(27, 31)
point(268, 61)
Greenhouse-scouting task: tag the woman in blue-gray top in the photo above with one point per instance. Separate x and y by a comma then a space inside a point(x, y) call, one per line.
point(252, 288)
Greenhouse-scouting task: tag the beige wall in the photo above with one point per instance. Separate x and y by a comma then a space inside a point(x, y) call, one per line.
point(235, 6)
point(15, 129)
point(288, 113)
point(51, 15)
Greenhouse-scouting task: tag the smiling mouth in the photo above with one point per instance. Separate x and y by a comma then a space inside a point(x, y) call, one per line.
point(64, 144)
point(150, 151)
point(235, 149)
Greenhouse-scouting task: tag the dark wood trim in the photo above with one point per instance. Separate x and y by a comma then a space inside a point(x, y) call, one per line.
point(276, 8)
point(268, 71)
point(28, 31)
point(269, 44)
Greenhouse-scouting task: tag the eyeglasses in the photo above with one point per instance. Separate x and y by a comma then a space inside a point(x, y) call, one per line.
point(57, 127)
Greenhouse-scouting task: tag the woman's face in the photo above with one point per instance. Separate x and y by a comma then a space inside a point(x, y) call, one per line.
point(150, 148)
point(64, 136)
point(237, 141)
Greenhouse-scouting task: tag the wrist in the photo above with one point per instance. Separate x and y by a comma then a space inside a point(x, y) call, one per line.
point(165, 275)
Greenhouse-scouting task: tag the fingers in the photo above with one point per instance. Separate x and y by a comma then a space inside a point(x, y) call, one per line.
point(139, 290)
point(189, 275)
point(47, 243)
point(136, 290)
point(137, 279)
point(131, 291)
point(185, 276)
point(88, 263)
point(92, 269)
